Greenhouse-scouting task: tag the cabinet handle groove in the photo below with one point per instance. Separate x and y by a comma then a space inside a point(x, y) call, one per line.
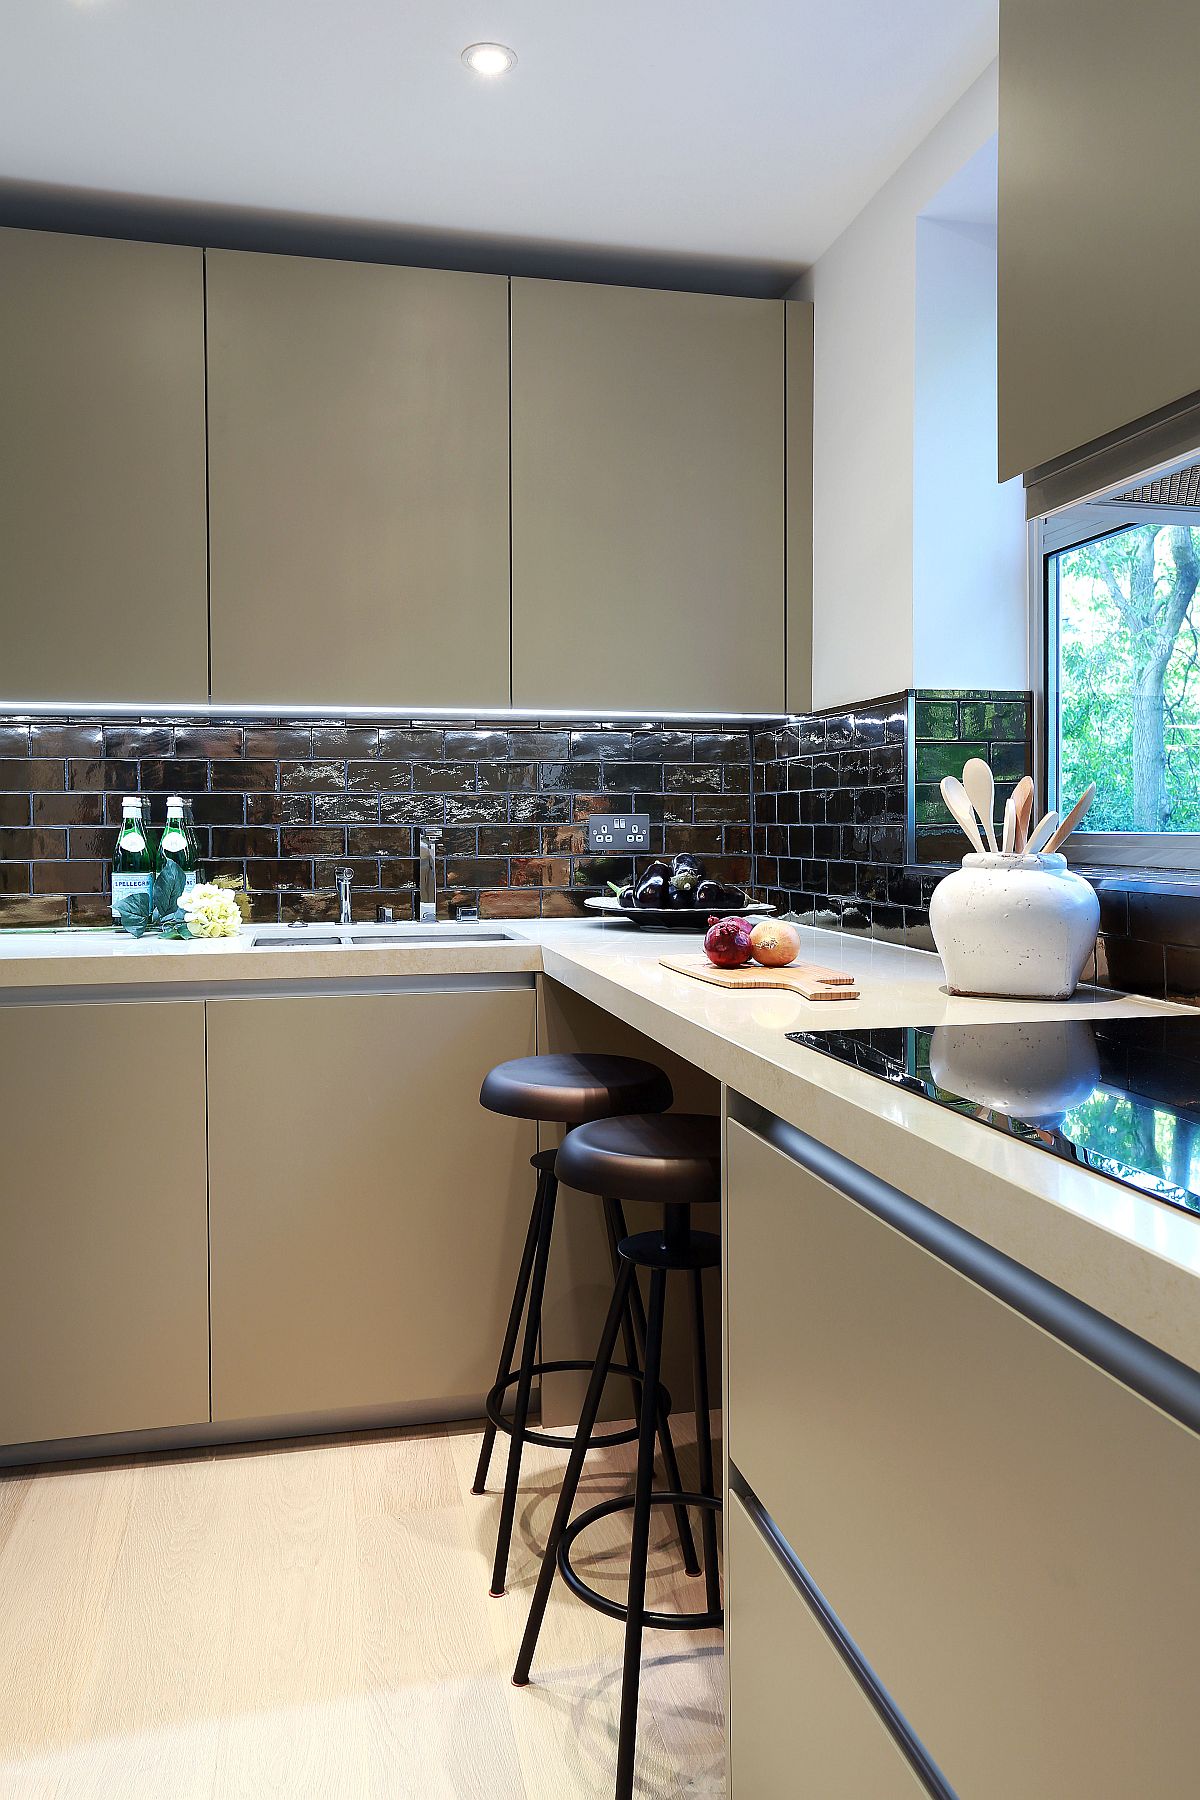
point(1140, 1366)
point(889, 1714)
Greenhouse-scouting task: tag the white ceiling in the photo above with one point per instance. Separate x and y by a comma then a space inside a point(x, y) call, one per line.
point(752, 130)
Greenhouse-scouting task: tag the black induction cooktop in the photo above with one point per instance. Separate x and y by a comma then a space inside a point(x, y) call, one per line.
point(1118, 1096)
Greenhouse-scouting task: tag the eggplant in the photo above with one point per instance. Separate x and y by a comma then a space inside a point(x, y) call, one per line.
point(651, 887)
point(718, 893)
point(622, 892)
point(686, 874)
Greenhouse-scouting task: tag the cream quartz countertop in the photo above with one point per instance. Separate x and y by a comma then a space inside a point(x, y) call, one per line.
point(1131, 1257)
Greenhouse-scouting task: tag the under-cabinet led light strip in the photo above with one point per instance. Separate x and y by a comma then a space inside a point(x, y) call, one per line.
point(288, 709)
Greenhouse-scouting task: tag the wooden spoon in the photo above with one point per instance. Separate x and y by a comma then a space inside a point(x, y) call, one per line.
point(1073, 817)
point(1010, 827)
point(955, 796)
point(1023, 806)
point(1042, 835)
point(981, 792)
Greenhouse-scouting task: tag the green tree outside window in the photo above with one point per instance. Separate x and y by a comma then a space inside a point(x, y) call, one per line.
point(1129, 677)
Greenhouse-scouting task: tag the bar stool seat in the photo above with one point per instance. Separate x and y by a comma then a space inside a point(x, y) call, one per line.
point(573, 1090)
point(673, 1160)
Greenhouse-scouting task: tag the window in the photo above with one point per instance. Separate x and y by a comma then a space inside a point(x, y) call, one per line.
point(1123, 675)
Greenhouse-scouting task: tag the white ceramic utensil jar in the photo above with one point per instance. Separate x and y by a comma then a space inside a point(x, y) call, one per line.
point(1020, 927)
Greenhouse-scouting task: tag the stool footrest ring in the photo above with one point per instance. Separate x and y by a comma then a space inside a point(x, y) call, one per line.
point(556, 1440)
point(616, 1609)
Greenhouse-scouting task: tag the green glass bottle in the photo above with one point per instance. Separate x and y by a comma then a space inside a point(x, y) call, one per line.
point(189, 825)
point(133, 858)
point(177, 844)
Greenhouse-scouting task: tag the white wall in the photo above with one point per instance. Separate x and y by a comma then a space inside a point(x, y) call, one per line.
point(864, 291)
point(969, 539)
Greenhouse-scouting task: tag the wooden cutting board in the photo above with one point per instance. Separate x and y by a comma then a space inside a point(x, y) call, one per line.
point(807, 979)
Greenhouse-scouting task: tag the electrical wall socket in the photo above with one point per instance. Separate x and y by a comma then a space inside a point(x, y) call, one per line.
point(611, 832)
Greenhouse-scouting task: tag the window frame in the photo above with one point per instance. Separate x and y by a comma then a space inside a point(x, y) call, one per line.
point(1165, 851)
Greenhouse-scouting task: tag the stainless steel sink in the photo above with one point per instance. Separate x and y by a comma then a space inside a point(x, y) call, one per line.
point(300, 937)
point(296, 941)
point(434, 934)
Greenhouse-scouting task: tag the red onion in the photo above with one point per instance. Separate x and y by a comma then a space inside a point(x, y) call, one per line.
point(727, 942)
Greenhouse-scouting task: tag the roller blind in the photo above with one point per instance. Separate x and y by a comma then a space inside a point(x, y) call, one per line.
point(1125, 456)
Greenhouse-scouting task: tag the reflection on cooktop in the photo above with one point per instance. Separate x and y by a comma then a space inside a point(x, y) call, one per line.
point(1118, 1096)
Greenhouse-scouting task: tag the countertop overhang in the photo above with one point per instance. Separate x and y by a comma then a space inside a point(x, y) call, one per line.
point(1132, 1257)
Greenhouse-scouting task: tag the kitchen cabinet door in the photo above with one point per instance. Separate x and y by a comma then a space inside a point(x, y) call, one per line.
point(798, 339)
point(102, 528)
point(648, 499)
point(367, 1213)
point(1098, 261)
point(798, 1721)
point(103, 1220)
point(358, 480)
point(1003, 1529)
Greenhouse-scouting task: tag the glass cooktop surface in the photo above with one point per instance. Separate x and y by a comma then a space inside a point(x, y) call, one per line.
point(1118, 1096)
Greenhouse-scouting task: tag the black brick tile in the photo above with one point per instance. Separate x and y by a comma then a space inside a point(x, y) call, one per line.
point(412, 809)
point(315, 777)
point(176, 776)
point(215, 742)
point(345, 809)
point(71, 740)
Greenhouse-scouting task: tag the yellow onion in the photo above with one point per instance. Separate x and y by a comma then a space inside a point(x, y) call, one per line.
point(774, 943)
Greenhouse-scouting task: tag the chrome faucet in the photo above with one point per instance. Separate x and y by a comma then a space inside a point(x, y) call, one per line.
point(345, 881)
point(426, 901)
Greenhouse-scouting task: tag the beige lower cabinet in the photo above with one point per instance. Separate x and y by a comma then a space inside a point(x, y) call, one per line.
point(367, 1214)
point(799, 1724)
point(103, 1228)
point(1005, 1531)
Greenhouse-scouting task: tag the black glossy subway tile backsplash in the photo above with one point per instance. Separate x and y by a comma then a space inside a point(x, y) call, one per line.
point(835, 817)
point(831, 822)
point(283, 804)
point(850, 830)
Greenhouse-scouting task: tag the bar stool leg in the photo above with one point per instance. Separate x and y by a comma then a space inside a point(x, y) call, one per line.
point(508, 1349)
point(634, 1329)
point(570, 1486)
point(639, 1552)
point(708, 1519)
point(516, 1442)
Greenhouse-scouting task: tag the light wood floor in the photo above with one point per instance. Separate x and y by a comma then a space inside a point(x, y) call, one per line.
point(313, 1620)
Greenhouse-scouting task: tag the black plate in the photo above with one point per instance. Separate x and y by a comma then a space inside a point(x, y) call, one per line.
point(676, 918)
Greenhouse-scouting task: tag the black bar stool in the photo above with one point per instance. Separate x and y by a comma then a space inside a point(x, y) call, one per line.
point(674, 1160)
point(570, 1091)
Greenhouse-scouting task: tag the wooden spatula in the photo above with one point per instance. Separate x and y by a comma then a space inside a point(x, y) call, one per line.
point(981, 792)
point(1022, 798)
point(1073, 817)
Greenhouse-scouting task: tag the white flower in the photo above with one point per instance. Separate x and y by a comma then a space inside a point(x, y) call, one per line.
point(210, 911)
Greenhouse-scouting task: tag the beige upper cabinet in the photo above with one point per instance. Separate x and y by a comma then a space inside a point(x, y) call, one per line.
point(102, 530)
point(648, 499)
point(103, 1220)
point(358, 481)
point(798, 341)
point(1099, 257)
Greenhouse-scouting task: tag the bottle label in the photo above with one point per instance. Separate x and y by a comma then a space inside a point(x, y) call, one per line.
point(125, 885)
point(189, 880)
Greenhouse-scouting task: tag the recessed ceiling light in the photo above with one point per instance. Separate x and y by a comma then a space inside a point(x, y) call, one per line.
point(489, 59)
